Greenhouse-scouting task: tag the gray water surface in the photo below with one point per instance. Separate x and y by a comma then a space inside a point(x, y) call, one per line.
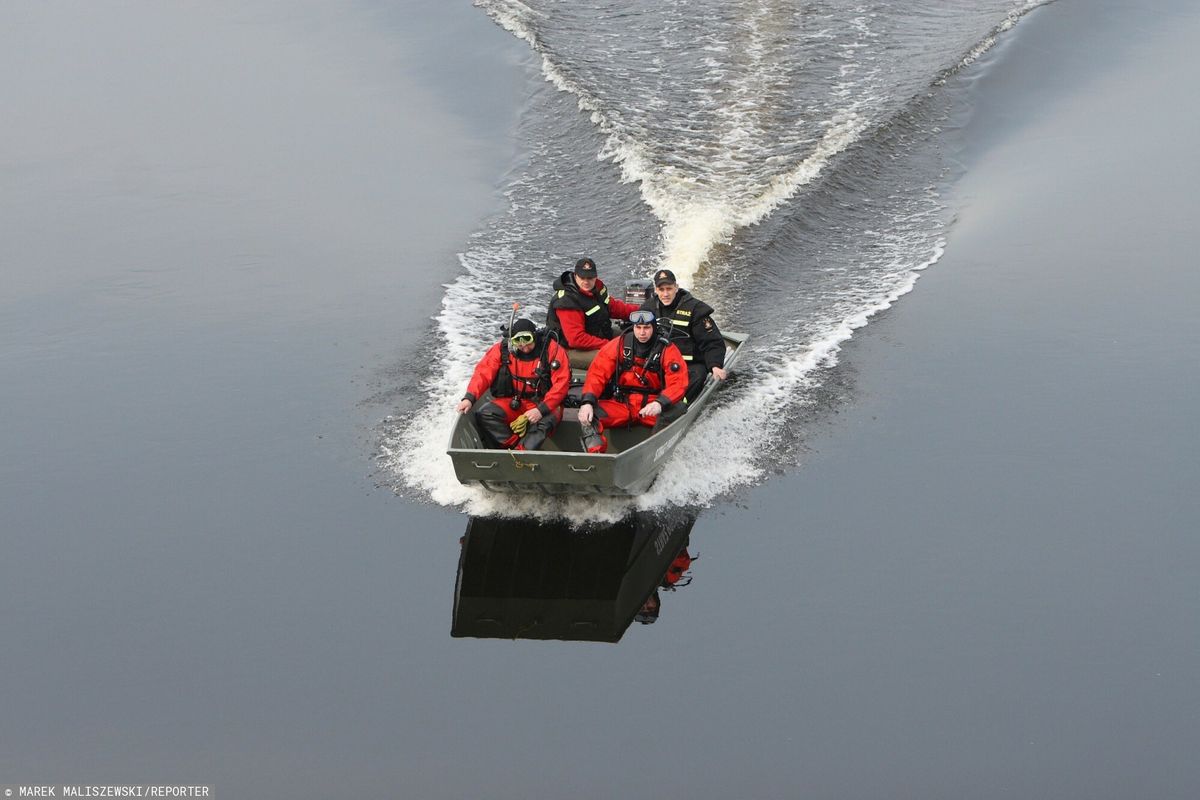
point(222, 233)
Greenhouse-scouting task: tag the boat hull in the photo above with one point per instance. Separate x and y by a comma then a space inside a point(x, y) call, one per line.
point(529, 579)
point(564, 467)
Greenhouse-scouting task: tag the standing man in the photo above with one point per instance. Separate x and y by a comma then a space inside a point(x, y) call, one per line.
point(633, 379)
point(582, 312)
point(692, 330)
point(529, 377)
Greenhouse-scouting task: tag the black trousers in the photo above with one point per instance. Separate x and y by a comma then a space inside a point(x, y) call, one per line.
point(493, 420)
point(697, 375)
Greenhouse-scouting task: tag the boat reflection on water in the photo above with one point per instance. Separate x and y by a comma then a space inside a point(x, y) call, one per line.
point(521, 579)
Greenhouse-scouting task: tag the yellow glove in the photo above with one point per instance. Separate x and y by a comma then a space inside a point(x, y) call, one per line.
point(519, 425)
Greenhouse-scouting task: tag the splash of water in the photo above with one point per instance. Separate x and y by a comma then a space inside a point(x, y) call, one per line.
point(702, 200)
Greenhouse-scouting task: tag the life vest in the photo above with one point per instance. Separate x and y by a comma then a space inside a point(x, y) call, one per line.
point(686, 311)
point(651, 366)
point(509, 384)
point(597, 320)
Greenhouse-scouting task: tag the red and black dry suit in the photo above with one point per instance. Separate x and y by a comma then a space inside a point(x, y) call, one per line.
point(694, 333)
point(584, 318)
point(539, 379)
point(681, 564)
point(628, 375)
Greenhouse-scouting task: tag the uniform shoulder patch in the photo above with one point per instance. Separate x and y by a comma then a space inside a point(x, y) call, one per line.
point(708, 326)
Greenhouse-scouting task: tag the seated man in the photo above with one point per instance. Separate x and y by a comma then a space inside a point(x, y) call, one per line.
point(582, 312)
point(692, 330)
point(634, 379)
point(529, 378)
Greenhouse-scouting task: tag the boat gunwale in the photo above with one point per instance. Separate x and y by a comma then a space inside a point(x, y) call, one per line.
point(675, 429)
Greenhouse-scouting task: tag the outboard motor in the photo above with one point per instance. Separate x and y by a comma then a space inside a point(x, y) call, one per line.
point(638, 292)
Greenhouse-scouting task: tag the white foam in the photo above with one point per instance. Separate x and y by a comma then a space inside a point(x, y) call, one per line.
point(742, 430)
point(691, 229)
point(696, 216)
point(1011, 19)
point(695, 219)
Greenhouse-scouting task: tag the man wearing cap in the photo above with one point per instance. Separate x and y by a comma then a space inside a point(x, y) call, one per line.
point(692, 330)
point(633, 380)
point(582, 311)
point(528, 376)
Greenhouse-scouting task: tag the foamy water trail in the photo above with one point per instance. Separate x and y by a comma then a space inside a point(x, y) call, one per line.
point(698, 217)
point(692, 227)
point(743, 430)
point(745, 136)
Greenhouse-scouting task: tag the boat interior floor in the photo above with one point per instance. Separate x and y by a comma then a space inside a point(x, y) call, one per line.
point(567, 436)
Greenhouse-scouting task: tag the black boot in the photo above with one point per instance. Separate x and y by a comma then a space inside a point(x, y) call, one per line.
point(592, 441)
point(535, 437)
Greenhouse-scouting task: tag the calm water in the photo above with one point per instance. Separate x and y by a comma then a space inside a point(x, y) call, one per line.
point(224, 233)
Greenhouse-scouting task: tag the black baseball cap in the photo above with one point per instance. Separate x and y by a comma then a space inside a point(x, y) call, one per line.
point(664, 276)
point(585, 268)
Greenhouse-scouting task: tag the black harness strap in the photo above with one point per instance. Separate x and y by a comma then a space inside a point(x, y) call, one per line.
point(535, 387)
point(502, 384)
point(626, 364)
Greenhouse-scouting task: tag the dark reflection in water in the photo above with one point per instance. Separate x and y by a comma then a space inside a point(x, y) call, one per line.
point(519, 579)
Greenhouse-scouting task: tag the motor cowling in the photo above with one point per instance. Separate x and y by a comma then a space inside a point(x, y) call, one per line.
point(638, 292)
